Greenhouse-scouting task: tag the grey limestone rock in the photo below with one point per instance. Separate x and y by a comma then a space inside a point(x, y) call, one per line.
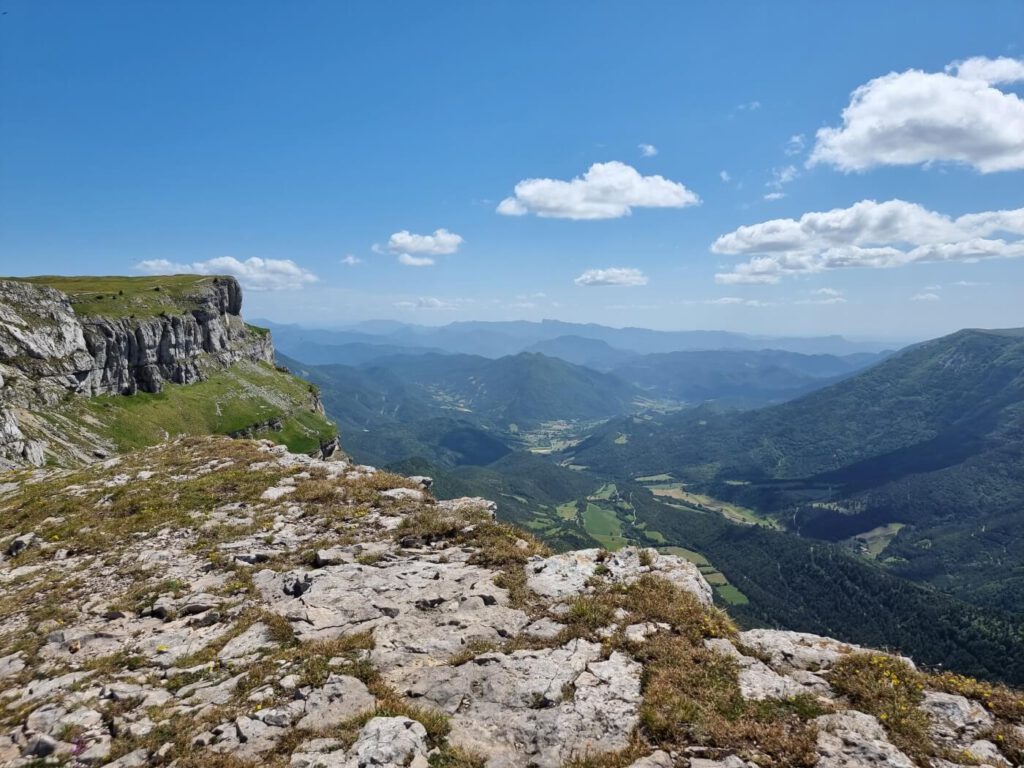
point(852, 739)
point(565, 575)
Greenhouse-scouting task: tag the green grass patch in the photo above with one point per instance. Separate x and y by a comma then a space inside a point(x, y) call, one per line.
point(228, 402)
point(117, 297)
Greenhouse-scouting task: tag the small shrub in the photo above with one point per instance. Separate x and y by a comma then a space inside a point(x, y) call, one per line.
point(997, 699)
point(588, 613)
point(472, 649)
point(891, 690)
point(455, 757)
point(1010, 742)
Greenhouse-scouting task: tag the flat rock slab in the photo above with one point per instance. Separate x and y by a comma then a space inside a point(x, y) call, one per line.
point(539, 707)
point(562, 576)
point(421, 612)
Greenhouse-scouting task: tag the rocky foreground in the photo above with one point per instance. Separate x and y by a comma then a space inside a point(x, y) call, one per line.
point(211, 602)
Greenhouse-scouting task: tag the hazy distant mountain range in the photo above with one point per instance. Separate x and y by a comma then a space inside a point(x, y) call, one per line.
point(497, 339)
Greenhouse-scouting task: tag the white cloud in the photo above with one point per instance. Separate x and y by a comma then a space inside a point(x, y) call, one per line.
point(968, 284)
point(606, 191)
point(933, 287)
point(737, 301)
point(351, 260)
point(724, 176)
point(824, 296)
point(750, 106)
point(925, 297)
point(774, 195)
point(782, 176)
point(424, 302)
point(915, 117)
point(648, 150)
point(254, 273)
point(991, 71)
point(440, 243)
point(795, 145)
point(415, 261)
point(867, 234)
point(612, 276)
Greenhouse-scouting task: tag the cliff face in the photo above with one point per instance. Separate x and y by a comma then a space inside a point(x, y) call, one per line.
point(58, 346)
point(42, 335)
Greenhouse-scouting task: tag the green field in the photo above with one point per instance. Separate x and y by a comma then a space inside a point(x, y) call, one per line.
point(724, 591)
point(730, 595)
point(567, 511)
point(877, 539)
point(605, 492)
point(662, 478)
point(701, 502)
point(604, 526)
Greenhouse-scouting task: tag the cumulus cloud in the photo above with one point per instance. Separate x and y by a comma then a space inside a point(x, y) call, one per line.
point(867, 234)
point(992, 71)
point(724, 176)
point(606, 191)
point(648, 150)
point(612, 276)
point(415, 261)
point(795, 145)
point(774, 195)
point(925, 297)
point(255, 274)
point(915, 117)
point(438, 244)
point(350, 260)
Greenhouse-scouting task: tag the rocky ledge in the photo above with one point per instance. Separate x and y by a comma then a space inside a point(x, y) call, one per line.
point(211, 602)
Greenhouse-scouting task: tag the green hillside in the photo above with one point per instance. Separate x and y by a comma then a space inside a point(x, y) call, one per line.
point(932, 438)
point(740, 376)
point(525, 389)
point(246, 399)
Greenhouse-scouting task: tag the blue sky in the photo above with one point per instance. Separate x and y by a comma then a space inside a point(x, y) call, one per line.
point(278, 139)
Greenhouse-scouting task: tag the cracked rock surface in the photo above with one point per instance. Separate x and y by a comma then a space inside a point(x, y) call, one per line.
point(226, 603)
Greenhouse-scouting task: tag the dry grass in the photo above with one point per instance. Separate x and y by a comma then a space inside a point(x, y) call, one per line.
point(997, 699)
point(1009, 740)
point(619, 759)
point(692, 696)
point(891, 690)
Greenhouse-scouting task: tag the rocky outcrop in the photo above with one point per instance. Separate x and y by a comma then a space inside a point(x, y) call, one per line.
point(326, 615)
point(42, 336)
point(49, 352)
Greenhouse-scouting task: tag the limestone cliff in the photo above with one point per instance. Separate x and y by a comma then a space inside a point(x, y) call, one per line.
point(113, 336)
